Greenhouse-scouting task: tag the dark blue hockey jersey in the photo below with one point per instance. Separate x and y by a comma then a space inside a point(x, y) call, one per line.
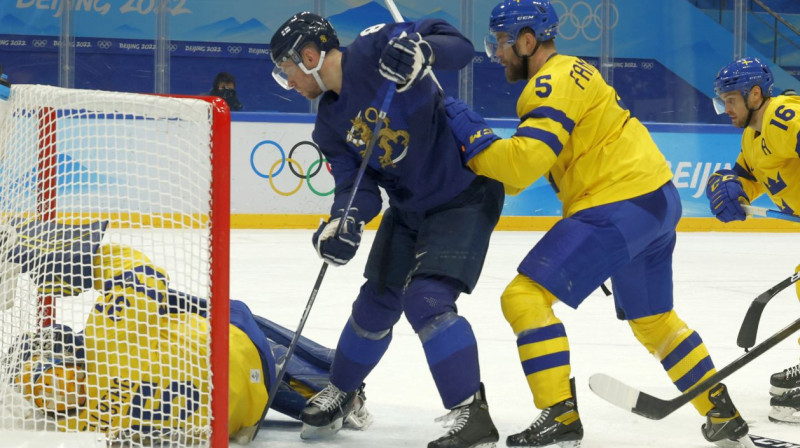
point(416, 159)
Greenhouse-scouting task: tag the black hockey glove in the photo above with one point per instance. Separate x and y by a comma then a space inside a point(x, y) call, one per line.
point(338, 249)
point(405, 60)
point(724, 189)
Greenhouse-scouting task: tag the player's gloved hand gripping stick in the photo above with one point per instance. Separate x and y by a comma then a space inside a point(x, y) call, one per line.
point(343, 219)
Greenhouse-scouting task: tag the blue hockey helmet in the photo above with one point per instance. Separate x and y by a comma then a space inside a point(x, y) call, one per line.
point(741, 76)
point(512, 16)
point(301, 29)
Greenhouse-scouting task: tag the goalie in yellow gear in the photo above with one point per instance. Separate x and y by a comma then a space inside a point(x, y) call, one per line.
point(52, 384)
point(117, 376)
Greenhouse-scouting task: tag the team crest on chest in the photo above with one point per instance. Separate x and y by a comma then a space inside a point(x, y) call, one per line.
point(775, 186)
point(393, 143)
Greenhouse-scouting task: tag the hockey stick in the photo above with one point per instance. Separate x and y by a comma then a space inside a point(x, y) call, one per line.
point(747, 333)
point(777, 214)
point(387, 101)
point(766, 442)
point(638, 402)
point(399, 18)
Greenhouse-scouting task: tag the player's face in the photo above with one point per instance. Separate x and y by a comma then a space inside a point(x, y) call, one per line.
point(508, 59)
point(300, 81)
point(735, 108)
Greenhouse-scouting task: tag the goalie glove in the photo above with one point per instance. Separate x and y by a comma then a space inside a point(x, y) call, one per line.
point(724, 191)
point(405, 60)
point(470, 130)
point(338, 249)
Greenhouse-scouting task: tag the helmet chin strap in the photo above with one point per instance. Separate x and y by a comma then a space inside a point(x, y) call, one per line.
point(525, 58)
point(315, 72)
point(750, 111)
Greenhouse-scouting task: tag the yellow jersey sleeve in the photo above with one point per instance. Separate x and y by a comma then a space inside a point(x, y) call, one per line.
point(247, 392)
point(574, 130)
point(772, 157)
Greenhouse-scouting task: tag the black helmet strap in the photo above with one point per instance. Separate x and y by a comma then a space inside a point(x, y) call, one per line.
point(525, 57)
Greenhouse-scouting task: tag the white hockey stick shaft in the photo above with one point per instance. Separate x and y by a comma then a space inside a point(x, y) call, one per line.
point(632, 399)
point(777, 214)
point(399, 18)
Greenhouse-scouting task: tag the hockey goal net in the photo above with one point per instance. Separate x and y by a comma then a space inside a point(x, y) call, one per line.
point(114, 225)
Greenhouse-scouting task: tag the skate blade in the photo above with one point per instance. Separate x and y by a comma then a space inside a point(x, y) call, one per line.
point(564, 444)
point(360, 421)
point(744, 442)
point(776, 391)
point(320, 432)
point(570, 444)
point(784, 414)
point(486, 445)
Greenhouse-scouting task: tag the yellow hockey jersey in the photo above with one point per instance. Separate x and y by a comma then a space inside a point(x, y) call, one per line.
point(769, 161)
point(135, 388)
point(574, 129)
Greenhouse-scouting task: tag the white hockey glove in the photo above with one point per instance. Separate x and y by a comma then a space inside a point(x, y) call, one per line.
point(338, 249)
point(405, 60)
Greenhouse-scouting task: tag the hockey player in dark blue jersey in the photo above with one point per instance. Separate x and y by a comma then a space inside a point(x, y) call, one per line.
point(432, 239)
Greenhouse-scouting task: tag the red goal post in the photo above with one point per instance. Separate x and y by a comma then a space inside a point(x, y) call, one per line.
point(155, 171)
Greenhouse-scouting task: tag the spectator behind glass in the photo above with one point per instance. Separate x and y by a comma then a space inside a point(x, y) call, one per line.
point(225, 88)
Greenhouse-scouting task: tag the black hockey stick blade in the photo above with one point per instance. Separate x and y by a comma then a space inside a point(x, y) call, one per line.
point(631, 399)
point(747, 333)
point(766, 442)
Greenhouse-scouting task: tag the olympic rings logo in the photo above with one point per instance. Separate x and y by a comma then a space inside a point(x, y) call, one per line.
point(590, 23)
point(294, 164)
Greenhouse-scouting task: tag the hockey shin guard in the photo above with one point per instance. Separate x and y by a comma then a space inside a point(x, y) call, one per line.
point(541, 340)
point(357, 353)
point(452, 354)
point(680, 350)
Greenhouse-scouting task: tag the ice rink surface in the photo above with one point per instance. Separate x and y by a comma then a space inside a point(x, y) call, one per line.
point(716, 276)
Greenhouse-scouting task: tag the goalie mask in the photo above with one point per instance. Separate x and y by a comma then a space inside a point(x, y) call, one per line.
point(51, 371)
point(52, 384)
point(288, 42)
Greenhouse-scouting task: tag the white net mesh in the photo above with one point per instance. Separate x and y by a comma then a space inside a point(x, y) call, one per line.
point(104, 265)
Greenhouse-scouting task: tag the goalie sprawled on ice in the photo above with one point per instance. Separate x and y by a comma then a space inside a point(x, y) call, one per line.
point(119, 375)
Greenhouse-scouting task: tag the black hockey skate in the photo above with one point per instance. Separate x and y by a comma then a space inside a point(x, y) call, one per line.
point(326, 412)
point(786, 408)
point(724, 426)
point(472, 426)
point(782, 382)
point(557, 426)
